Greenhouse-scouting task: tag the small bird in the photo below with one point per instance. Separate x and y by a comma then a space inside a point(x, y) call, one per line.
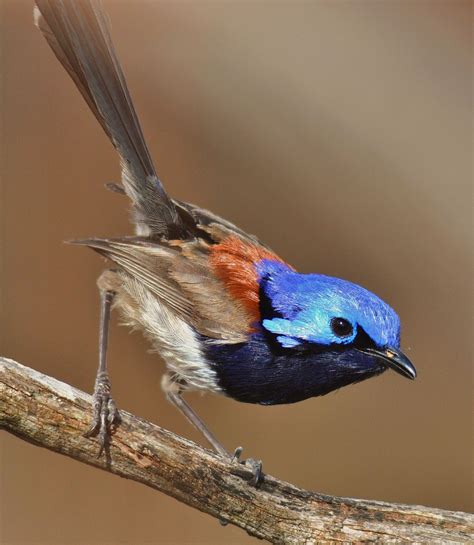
point(225, 312)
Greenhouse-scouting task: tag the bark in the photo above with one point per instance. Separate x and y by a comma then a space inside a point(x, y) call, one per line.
point(48, 413)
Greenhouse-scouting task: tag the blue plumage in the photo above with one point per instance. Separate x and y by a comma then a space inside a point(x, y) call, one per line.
point(306, 304)
point(316, 334)
point(261, 371)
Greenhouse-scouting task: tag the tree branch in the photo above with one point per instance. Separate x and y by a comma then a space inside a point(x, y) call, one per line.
point(54, 415)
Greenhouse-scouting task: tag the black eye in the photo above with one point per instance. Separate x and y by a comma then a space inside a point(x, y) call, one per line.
point(341, 327)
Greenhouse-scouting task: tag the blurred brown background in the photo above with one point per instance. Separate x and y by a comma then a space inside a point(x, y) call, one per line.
point(339, 132)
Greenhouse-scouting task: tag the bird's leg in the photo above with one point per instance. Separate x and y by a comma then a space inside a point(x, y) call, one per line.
point(173, 394)
point(190, 414)
point(105, 413)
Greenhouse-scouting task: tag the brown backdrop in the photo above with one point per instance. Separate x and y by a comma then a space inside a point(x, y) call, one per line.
point(339, 132)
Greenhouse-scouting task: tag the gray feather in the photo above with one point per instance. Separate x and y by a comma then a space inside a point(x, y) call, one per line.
point(78, 34)
point(179, 276)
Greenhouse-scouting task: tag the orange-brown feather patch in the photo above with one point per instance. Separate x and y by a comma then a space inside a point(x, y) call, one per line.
point(233, 262)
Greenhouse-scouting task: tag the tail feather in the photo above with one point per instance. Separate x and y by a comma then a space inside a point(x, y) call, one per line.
point(78, 34)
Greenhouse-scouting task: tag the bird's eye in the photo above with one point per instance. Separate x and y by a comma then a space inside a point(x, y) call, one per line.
point(341, 327)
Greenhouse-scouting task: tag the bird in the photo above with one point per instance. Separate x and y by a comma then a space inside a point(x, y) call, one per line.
point(224, 311)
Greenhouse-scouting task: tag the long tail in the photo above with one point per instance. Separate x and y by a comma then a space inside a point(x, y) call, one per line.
point(77, 32)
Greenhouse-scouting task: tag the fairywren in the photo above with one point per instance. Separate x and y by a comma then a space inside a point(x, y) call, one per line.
point(224, 311)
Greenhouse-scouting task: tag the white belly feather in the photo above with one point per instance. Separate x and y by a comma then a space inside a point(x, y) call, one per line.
point(171, 336)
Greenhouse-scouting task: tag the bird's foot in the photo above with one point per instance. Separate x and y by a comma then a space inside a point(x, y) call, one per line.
point(254, 465)
point(105, 414)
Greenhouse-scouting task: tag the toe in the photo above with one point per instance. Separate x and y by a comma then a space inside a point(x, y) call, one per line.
point(113, 415)
point(96, 419)
point(105, 415)
point(237, 454)
point(256, 467)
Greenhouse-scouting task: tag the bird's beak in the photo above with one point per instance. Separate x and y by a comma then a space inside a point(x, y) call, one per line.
point(395, 359)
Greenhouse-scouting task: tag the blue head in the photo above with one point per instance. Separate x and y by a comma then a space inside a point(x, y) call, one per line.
point(314, 308)
point(316, 334)
point(346, 326)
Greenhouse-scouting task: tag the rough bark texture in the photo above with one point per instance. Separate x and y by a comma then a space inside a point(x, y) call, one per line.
point(51, 414)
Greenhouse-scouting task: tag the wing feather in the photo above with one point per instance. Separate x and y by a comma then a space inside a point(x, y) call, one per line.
point(179, 275)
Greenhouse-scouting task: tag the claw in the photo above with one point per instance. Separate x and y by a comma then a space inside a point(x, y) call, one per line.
point(254, 465)
point(105, 414)
point(95, 424)
point(236, 456)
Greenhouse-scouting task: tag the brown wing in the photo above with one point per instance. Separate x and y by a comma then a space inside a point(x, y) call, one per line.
point(179, 274)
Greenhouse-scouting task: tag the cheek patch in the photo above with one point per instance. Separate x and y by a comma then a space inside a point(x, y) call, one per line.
point(288, 342)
